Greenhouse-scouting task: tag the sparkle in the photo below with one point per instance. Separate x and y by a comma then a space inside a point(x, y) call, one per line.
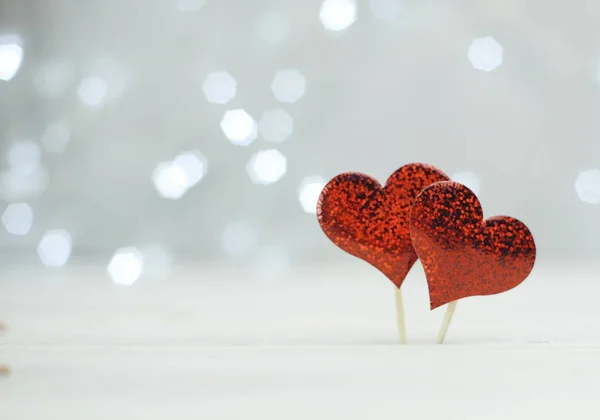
point(11, 55)
point(126, 266)
point(170, 180)
point(309, 191)
point(485, 54)
point(239, 127)
point(337, 15)
point(587, 186)
point(92, 91)
point(267, 166)
point(194, 165)
point(288, 85)
point(54, 248)
point(17, 219)
point(219, 87)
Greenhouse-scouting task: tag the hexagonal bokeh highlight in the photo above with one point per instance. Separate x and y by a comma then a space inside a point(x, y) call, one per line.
point(11, 56)
point(587, 186)
point(194, 165)
point(18, 218)
point(126, 266)
point(288, 85)
point(485, 54)
point(92, 91)
point(239, 127)
point(54, 249)
point(337, 15)
point(172, 179)
point(309, 192)
point(267, 166)
point(219, 87)
point(469, 180)
point(276, 125)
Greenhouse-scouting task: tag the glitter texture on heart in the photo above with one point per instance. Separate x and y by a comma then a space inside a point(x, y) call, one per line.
point(463, 254)
point(371, 222)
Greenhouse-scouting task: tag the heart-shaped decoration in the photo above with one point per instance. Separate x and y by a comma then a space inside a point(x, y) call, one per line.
point(372, 222)
point(462, 254)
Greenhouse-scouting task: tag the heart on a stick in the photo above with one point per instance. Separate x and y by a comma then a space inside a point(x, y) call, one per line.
point(372, 222)
point(463, 254)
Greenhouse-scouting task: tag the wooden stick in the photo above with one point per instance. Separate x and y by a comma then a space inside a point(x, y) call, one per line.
point(446, 324)
point(400, 316)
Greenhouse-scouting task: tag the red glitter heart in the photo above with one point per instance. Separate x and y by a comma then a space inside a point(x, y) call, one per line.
point(462, 254)
point(371, 222)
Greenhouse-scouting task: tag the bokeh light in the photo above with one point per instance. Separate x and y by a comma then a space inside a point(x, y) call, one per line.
point(11, 55)
point(92, 91)
point(219, 87)
point(170, 180)
point(126, 266)
point(337, 15)
point(309, 191)
point(267, 166)
point(18, 218)
point(276, 125)
point(288, 85)
point(239, 127)
point(587, 186)
point(54, 249)
point(194, 164)
point(485, 54)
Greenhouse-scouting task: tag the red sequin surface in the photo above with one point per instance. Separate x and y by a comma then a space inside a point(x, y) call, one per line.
point(371, 222)
point(462, 254)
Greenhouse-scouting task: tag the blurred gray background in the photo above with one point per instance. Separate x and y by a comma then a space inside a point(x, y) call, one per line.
point(144, 133)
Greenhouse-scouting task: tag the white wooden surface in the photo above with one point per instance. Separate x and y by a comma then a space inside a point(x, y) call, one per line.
point(216, 343)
